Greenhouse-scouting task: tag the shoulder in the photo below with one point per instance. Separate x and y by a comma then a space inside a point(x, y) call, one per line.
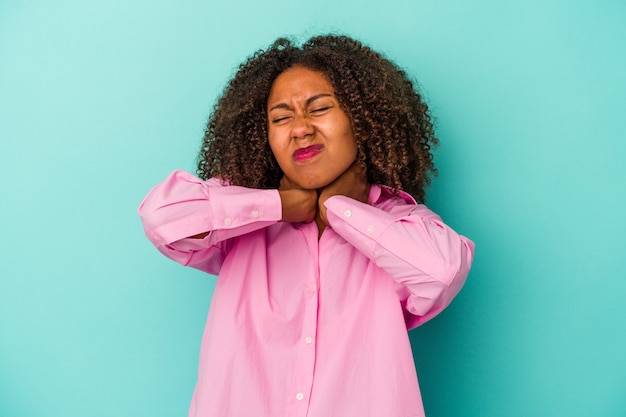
point(385, 197)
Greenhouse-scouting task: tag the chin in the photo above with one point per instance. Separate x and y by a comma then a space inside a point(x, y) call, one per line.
point(311, 186)
point(314, 185)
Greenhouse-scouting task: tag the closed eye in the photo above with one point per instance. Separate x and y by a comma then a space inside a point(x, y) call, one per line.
point(279, 119)
point(320, 109)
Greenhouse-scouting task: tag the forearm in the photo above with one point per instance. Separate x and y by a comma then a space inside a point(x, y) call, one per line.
point(427, 259)
point(183, 206)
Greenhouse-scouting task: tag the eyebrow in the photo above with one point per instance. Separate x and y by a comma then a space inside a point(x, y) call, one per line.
point(308, 102)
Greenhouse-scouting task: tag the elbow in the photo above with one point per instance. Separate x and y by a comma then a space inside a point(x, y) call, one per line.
point(153, 220)
point(469, 248)
point(147, 215)
point(458, 262)
point(436, 295)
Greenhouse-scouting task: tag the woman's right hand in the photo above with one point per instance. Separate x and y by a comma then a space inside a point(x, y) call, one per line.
point(298, 205)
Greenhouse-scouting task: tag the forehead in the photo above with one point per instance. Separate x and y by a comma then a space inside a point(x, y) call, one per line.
point(299, 83)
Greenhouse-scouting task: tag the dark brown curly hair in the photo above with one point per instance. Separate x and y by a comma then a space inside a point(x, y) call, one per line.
point(391, 122)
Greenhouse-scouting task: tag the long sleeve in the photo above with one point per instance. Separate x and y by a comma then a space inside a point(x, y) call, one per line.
point(184, 205)
point(428, 260)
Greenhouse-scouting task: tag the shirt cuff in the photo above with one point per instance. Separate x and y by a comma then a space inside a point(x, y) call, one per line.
point(238, 210)
point(358, 223)
point(225, 211)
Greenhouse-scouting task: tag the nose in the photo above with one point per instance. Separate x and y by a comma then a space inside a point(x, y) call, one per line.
point(301, 127)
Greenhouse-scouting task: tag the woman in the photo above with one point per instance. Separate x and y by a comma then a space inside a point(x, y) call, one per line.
point(321, 268)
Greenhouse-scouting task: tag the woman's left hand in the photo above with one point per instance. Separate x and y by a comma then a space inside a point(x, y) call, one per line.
point(352, 183)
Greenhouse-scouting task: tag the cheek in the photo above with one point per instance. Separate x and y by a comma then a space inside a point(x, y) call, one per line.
point(349, 141)
point(279, 156)
point(350, 145)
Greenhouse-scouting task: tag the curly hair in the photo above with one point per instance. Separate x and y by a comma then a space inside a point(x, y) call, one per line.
point(391, 123)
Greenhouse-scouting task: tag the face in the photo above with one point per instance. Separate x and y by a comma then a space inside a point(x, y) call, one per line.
point(308, 132)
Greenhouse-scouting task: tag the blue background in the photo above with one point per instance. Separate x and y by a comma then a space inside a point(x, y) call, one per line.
point(101, 100)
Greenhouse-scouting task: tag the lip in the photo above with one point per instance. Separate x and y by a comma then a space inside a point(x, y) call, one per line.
point(304, 154)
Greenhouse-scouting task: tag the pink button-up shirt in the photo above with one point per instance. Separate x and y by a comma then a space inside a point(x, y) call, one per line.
point(306, 327)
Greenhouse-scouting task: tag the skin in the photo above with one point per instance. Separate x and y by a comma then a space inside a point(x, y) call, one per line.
point(303, 111)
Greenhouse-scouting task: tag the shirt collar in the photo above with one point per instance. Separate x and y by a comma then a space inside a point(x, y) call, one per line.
point(379, 193)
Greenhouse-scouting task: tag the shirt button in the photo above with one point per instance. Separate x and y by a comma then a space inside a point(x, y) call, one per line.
point(347, 213)
point(228, 221)
point(308, 340)
point(299, 396)
point(255, 213)
point(370, 228)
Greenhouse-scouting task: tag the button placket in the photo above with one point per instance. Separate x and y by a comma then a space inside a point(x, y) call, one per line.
point(302, 382)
